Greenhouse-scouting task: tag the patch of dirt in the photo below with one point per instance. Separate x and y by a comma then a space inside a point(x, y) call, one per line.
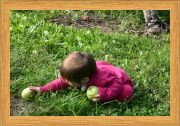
point(19, 107)
point(105, 24)
point(16, 106)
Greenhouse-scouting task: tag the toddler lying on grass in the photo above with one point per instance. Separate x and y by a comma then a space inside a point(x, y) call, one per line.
point(80, 70)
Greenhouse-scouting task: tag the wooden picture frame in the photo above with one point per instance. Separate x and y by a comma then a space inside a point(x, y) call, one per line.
point(172, 5)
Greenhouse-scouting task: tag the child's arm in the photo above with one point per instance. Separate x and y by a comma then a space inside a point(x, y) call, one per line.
point(110, 93)
point(54, 85)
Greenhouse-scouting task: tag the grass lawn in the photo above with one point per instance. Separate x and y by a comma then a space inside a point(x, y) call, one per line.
point(37, 47)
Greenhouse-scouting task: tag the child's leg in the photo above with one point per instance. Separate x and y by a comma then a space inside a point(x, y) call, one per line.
point(126, 93)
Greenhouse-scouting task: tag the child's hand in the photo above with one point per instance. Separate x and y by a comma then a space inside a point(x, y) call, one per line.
point(96, 98)
point(35, 89)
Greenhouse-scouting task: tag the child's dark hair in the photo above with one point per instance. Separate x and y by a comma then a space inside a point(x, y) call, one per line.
point(77, 65)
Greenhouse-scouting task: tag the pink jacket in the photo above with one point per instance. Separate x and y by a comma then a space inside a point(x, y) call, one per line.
point(109, 79)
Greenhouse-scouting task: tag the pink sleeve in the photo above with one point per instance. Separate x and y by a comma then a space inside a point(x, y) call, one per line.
point(110, 93)
point(54, 85)
point(102, 63)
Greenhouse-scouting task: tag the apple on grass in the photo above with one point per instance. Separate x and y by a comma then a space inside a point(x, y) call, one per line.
point(91, 92)
point(27, 94)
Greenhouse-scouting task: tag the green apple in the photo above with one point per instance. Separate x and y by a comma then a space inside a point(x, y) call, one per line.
point(91, 92)
point(27, 94)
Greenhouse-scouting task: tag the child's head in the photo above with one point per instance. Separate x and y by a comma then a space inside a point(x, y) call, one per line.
point(77, 66)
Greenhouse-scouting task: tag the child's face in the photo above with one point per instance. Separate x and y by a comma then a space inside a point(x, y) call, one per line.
point(83, 81)
point(74, 84)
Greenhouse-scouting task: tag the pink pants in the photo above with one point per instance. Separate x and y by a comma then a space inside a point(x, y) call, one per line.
point(127, 93)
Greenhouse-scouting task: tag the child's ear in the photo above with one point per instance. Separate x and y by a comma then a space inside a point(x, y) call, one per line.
point(85, 80)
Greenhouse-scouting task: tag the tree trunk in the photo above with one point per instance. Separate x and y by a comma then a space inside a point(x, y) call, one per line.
point(154, 25)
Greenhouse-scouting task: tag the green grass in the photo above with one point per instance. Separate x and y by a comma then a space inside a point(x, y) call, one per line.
point(37, 47)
